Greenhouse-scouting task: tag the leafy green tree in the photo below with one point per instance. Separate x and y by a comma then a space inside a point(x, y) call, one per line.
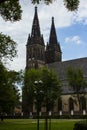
point(48, 84)
point(71, 5)
point(9, 94)
point(51, 87)
point(10, 10)
point(76, 82)
point(7, 47)
point(28, 89)
point(15, 79)
point(41, 87)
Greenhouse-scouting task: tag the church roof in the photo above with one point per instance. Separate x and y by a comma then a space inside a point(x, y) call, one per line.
point(61, 70)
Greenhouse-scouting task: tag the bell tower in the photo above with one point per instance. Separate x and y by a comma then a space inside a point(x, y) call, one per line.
point(35, 48)
point(53, 50)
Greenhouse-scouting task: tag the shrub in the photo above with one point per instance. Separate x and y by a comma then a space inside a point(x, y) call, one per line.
point(82, 125)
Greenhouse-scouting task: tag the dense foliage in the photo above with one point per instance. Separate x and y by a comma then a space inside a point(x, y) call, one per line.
point(10, 10)
point(77, 83)
point(9, 93)
point(76, 80)
point(7, 47)
point(51, 87)
point(71, 5)
point(81, 125)
point(28, 89)
point(46, 91)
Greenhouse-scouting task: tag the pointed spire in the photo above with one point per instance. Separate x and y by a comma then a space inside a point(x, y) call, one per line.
point(35, 55)
point(53, 50)
point(53, 37)
point(35, 26)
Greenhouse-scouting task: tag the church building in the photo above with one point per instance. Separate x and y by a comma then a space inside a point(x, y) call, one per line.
point(38, 55)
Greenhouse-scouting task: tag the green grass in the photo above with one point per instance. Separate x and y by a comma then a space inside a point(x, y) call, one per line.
point(31, 124)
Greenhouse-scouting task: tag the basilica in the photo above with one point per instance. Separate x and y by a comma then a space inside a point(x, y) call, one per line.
point(38, 55)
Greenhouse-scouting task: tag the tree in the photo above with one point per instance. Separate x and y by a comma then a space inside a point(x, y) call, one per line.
point(51, 87)
point(28, 89)
point(52, 90)
point(10, 10)
point(9, 94)
point(41, 88)
point(7, 47)
point(71, 5)
point(76, 82)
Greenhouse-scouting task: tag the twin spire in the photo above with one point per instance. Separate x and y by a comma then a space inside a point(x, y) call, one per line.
point(36, 29)
point(36, 46)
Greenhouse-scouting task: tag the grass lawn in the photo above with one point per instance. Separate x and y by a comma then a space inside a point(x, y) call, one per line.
point(31, 124)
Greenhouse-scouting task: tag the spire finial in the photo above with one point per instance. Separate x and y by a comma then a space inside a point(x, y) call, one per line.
point(52, 19)
point(35, 8)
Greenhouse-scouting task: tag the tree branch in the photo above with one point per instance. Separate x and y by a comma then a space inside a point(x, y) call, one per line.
point(2, 1)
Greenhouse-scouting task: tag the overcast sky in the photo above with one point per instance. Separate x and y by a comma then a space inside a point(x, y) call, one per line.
point(71, 28)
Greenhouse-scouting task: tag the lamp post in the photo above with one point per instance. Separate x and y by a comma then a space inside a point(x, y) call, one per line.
point(38, 93)
point(46, 117)
point(49, 120)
